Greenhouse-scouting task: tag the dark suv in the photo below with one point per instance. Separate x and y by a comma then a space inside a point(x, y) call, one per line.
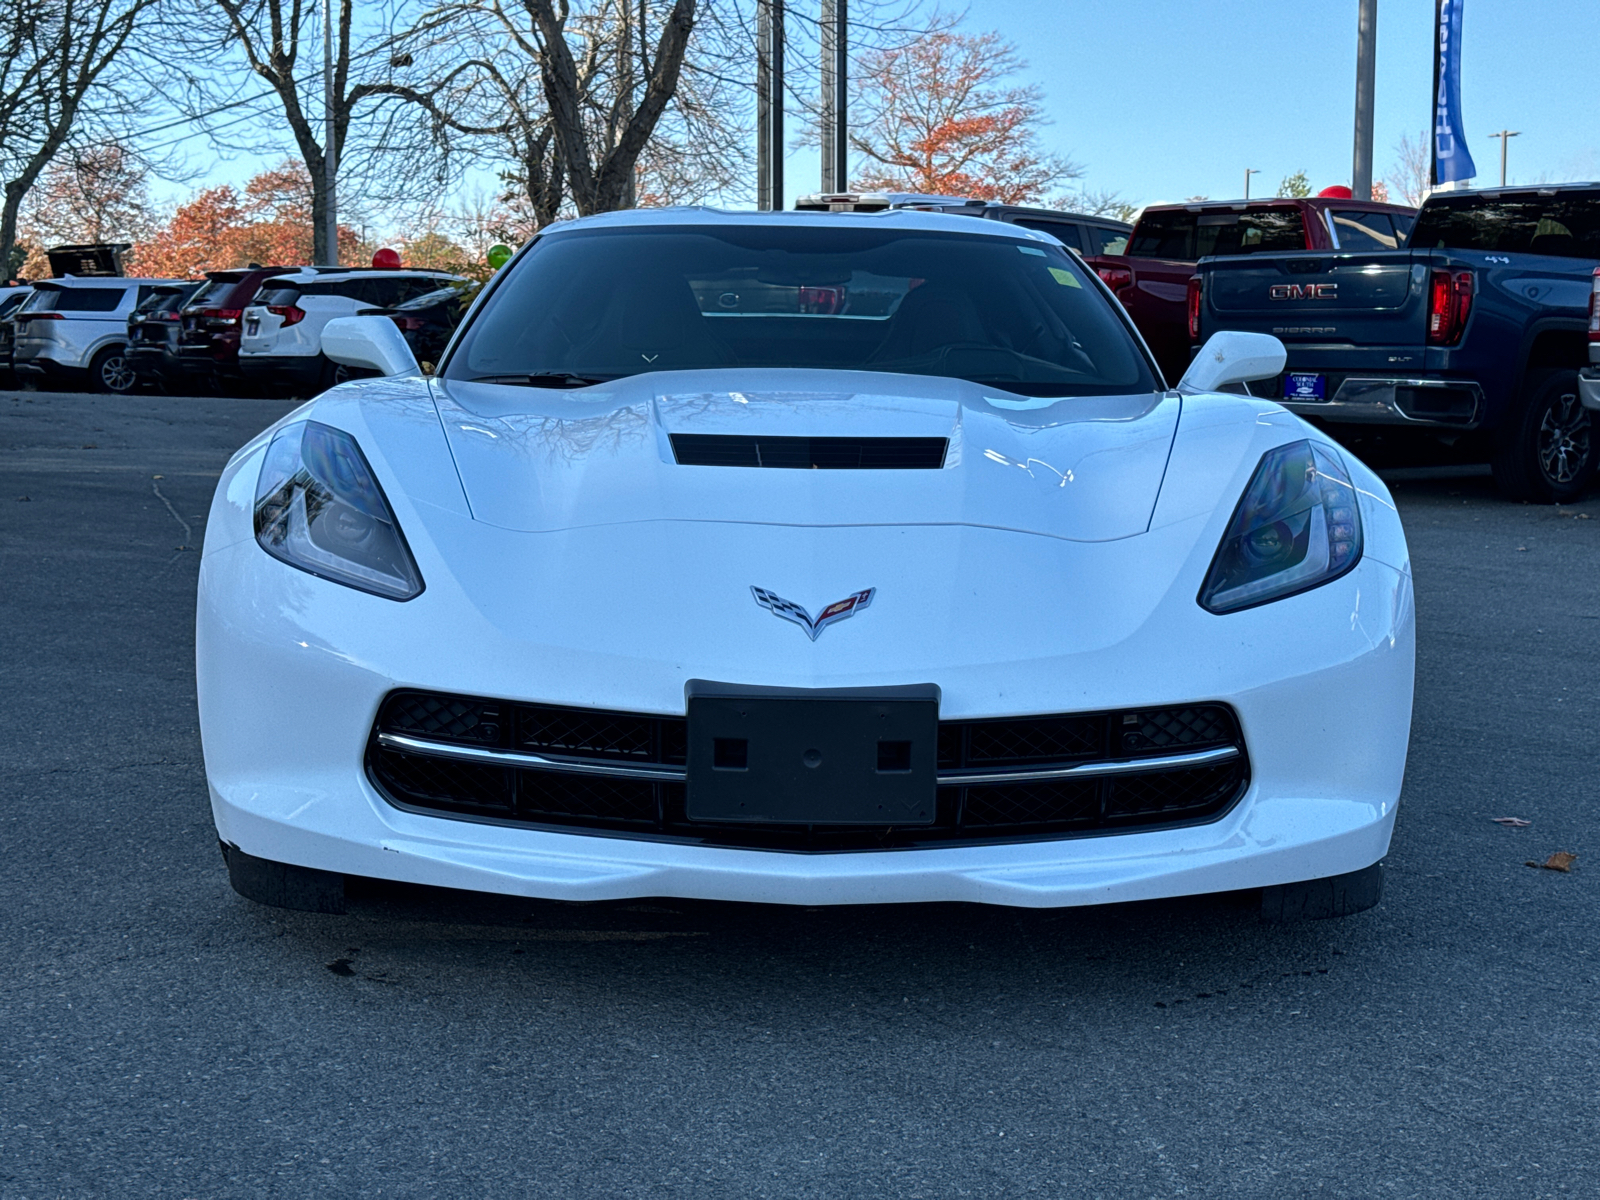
point(208, 338)
point(153, 336)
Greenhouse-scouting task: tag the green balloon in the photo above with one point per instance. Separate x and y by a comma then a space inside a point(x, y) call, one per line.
point(499, 256)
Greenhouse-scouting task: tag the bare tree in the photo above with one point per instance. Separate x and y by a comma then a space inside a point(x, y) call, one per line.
point(1412, 167)
point(280, 43)
point(59, 63)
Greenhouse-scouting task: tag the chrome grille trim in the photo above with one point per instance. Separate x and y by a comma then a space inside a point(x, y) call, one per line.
point(669, 774)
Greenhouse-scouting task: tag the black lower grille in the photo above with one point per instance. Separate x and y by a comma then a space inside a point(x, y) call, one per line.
point(655, 808)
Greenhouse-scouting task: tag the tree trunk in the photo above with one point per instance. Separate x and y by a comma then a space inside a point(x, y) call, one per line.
point(8, 224)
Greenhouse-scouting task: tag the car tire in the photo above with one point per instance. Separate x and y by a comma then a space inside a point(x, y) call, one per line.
point(1319, 899)
point(111, 372)
point(1549, 447)
point(282, 885)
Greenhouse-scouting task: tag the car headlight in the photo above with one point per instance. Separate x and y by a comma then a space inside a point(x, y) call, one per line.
point(319, 508)
point(1298, 526)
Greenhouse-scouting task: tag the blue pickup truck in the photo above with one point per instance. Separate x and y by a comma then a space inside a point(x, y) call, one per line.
point(1475, 332)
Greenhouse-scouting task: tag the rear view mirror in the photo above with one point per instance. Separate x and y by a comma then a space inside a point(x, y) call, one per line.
point(374, 343)
point(1231, 357)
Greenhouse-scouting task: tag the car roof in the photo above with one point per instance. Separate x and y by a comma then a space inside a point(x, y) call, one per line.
point(678, 216)
point(101, 281)
point(307, 274)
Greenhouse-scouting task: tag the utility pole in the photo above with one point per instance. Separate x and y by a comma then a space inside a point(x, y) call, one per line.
point(330, 154)
point(1366, 72)
point(835, 95)
point(769, 105)
point(1505, 136)
point(1247, 175)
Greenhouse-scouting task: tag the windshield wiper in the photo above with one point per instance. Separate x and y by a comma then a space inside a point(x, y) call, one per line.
point(546, 379)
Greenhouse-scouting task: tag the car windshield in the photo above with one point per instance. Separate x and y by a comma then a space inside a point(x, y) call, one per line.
point(1021, 316)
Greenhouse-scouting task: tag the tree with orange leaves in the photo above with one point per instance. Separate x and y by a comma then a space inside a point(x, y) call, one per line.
point(269, 223)
point(937, 117)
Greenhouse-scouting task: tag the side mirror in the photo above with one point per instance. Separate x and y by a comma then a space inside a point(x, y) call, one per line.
point(370, 342)
point(1228, 358)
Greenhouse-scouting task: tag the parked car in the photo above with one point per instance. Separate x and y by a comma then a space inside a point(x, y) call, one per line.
point(73, 332)
point(1476, 331)
point(822, 457)
point(153, 328)
point(208, 337)
point(282, 341)
point(11, 299)
point(1151, 277)
point(430, 319)
point(1078, 231)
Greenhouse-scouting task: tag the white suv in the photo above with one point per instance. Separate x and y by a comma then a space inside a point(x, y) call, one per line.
point(282, 338)
point(74, 331)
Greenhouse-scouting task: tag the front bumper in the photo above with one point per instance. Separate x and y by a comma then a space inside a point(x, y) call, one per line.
point(1589, 387)
point(290, 683)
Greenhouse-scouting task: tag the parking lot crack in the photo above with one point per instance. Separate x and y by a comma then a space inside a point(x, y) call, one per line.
point(188, 533)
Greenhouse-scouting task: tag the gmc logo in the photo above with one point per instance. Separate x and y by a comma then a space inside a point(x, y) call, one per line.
point(1305, 291)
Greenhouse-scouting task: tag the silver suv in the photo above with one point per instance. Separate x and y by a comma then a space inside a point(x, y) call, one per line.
point(74, 332)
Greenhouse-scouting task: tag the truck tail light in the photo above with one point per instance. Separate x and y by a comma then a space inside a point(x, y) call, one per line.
point(1449, 304)
point(1194, 308)
point(1118, 279)
point(291, 314)
point(1594, 309)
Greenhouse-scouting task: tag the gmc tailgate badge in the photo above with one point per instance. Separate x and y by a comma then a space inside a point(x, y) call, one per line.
point(790, 611)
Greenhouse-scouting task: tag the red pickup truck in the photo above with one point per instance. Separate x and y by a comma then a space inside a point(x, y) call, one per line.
point(1152, 278)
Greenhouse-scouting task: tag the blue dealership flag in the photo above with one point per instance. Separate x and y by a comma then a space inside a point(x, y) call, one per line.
point(1451, 161)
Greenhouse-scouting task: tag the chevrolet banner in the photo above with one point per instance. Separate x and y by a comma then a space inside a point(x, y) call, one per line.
point(1451, 161)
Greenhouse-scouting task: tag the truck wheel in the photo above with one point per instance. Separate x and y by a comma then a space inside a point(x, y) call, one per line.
point(110, 371)
point(1548, 449)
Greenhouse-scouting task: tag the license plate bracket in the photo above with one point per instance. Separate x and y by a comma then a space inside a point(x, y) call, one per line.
point(1302, 385)
point(812, 756)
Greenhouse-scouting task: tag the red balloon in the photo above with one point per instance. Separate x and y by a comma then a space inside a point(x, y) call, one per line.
point(388, 260)
point(1337, 192)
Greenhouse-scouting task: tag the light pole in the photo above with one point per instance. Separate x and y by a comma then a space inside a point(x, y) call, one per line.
point(1366, 69)
point(1505, 136)
point(1247, 175)
point(330, 155)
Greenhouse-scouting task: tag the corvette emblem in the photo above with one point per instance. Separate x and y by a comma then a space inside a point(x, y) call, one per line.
point(790, 611)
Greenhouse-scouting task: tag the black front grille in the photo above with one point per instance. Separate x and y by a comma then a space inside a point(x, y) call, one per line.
point(804, 454)
point(978, 812)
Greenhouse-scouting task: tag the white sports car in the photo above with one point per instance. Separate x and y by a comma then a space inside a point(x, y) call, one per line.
point(807, 559)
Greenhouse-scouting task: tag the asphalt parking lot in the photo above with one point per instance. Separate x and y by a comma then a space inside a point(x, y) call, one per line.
point(160, 1036)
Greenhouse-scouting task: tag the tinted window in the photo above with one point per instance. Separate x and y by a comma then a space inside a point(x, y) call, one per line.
point(1107, 241)
point(1064, 233)
point(1403, 223)
point(11, 303)
point(277, 296)
point(160, 299)
point(1565, 226)
point(82, 299)
point(1191, 236)
point(1365, 231)
point(212, 292)
point(1019, 316)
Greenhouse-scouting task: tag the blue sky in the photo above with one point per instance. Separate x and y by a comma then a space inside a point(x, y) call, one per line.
point(1163, 99)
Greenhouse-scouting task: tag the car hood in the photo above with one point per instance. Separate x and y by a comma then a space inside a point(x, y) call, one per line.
point(1078, 468)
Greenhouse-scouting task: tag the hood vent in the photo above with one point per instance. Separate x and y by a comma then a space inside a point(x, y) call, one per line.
point(810, 453)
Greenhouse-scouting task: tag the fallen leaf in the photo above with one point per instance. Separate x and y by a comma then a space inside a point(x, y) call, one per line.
point(1559, 861)
point(1511, 822)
